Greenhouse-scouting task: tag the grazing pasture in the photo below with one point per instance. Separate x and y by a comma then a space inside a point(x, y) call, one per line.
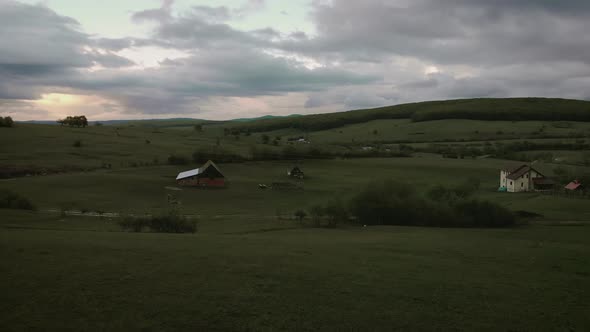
point(271, 275)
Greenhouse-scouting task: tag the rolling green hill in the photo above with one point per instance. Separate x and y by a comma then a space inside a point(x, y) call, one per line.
point(505, 109)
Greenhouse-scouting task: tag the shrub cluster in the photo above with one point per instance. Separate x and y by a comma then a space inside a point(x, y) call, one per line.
point(6, 121)
point(12, 200)
point(172, 222)
point(393, 203)
point(77, 121)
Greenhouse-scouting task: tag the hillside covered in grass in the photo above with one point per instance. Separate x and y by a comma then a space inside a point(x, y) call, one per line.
point(505, 109)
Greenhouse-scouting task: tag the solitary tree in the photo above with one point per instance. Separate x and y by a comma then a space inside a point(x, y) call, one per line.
point(6, 122)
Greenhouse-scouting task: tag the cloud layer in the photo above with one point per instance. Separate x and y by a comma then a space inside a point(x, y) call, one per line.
point(362, 54)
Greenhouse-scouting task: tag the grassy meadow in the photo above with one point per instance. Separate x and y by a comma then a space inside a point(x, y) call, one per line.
point(251, 266)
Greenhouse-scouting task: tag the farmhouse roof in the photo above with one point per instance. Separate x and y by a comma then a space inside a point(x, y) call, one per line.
point(510, 168)
point(573, 185)
point(197, 171)
point(520, 171)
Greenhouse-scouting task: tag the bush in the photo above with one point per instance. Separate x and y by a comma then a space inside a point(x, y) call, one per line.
point(12, 200)
point(392, 203)
point(177, 160)
point(474, 213)
point(134, 224)
point(336, 212)
point(172, 222)
point(300, 215)
point(6, 122)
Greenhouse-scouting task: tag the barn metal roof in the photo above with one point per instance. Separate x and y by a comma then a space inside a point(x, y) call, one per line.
point(188, 174)
point(197, 171)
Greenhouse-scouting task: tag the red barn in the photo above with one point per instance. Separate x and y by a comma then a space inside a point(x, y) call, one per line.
point(207, 175)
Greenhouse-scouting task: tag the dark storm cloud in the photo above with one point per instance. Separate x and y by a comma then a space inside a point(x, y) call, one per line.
point(180, 82)
point(451, 31)
point(486, 48)
point(41, 49)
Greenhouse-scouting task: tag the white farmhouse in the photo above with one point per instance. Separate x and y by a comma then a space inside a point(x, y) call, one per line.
point(523, 178)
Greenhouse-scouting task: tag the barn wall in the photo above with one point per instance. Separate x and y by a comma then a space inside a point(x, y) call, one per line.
point(203, 182)
point(216, 182)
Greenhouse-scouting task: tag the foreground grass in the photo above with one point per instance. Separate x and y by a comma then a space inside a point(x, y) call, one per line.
point(79, 274)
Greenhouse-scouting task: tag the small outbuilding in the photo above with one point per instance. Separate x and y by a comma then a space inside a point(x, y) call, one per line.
point(296, 172)
point(207, 175)
point(575, 185)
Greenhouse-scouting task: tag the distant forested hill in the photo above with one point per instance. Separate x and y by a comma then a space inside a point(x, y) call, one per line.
point(511, 109)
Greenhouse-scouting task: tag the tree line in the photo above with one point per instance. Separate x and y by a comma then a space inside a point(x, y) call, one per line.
point(74, 121)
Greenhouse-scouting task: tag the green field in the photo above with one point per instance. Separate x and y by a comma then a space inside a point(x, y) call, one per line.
point(77, 274)
point(251, 265)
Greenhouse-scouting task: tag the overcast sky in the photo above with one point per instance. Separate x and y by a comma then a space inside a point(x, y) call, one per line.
point(130, 59)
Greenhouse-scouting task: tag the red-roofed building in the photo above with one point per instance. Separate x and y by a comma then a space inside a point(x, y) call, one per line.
point(574, 185)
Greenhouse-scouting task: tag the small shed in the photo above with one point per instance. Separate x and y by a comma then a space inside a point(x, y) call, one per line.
point(574, 185)
point(208, 175)
point(296, 172)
